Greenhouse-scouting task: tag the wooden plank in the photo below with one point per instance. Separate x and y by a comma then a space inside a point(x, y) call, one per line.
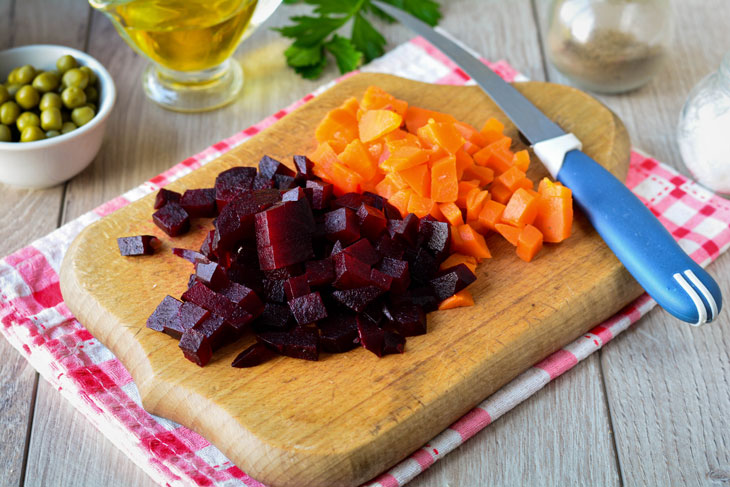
point(668, 384)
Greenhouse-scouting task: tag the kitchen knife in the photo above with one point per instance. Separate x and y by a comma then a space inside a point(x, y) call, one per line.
point(628, 227)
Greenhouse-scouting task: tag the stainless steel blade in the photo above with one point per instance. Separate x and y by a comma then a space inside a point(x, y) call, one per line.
point(533, 124)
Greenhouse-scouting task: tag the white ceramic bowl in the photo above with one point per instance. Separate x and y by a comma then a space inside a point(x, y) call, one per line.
point(48, 162)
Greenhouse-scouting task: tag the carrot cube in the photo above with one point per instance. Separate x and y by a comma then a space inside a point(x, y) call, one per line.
point(452, 214)
point(376, 123)
point(521, 208)
point(463, 162)
point(509, 232)
point(521, 160)
point(444, 135)
point(500, 192)
point(417, 117)
point(455, 259)
point(458, 300)
point(490, 215)
point(485, 175)
point(529, 243)
point(512, 178)
point(470, 242)
point(400, 200)
point(465, 187)
point(492, 130)
point(444, 183)
point(356, 157)
point(419, 205)
point(419, 179)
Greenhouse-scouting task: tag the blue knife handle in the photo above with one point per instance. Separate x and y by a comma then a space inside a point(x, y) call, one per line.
point(640, 241)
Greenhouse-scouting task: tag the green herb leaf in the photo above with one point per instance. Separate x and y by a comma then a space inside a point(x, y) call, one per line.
point(311, 31)
point(346, 56)
point(366, 39)
point(298, 56)
point(326, 7)
point(312, 72)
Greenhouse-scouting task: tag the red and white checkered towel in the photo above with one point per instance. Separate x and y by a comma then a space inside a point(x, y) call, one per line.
point(36, 321)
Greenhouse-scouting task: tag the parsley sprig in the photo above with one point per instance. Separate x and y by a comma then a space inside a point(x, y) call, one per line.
point(316, 35)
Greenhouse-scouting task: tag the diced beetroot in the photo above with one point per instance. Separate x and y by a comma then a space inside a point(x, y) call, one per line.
point(196, 347)
point(304, 166)
point(301, 343)
point(165, 196)
point(372, 222)
point(393, 343)
point(321, 194)
point(372, 338)
point(350, 272)
point(138, 245)
point(212, 274)
point(273, 291)
point(338, 334)
point(206, 298)
point(284, 273)
point(421, 264)
point(451, 281)
point(381, 279)
point(172, 219)
point(391, 212)
point(233, 183)
point(389, 247)
point(336, 248)
point(214, 328)
point(236, 221)
point(277, 316)
point(308, 308)
point(357, 299)
point(352, 201)
point(190, 255)
point(363, 250)
point(378, 201)
point(192, 280)
point(238, 320)
point(244, 297)
point(374, 312)
point(188, 315)
point(398, 270)
point(341, 224)
point(295, 287)
point(207, 246)
point(165, 315)
point(269, 166)
point(254, 355)
point(406, 229)
point(284, 221)
point(285, 253)
point(282, 181)
point(260, 182)
point(423, 297)
point(320, 272)
point(294, 194)
point(435, 236)
point(407, 319)
point(199, 202)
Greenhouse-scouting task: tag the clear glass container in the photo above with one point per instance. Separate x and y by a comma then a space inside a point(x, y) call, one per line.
point(703, 133)
point(609, 46)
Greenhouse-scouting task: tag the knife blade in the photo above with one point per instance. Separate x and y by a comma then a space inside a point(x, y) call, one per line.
point(631, 231)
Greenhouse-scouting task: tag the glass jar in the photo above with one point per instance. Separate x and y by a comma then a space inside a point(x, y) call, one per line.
point(704, 126)
point(609, 46)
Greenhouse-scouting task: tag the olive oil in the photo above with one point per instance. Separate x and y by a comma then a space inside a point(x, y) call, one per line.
point(181, 35)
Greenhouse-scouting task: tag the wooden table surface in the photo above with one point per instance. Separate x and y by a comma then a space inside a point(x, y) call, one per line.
point(652, 408)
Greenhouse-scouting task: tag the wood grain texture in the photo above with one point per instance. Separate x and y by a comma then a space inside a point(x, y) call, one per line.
point(379, 417)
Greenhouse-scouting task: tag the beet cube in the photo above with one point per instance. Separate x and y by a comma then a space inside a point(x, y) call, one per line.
point(232, 183)
point(372, 338)
point(212, 274)
point(389, 247)
point(308, 308)
point(391, 212)
point(276, 316)
point(192, 280)
point(336, 248)
point(321, 194)
point(254, 355)
point(393, 343)
point(406, 319)
point(435, 236)
point(423, 297)
point(301, 343)
point(294, 194)
point(357, 299)
point(282, 181)
point(341, 224)
point(374, 312)
point(350, 272)
point(422, 265)
point(363, 250)
point(236, 220)
point(451, 281)
point(295, 287)
point(273, 291)
point(214, 328)
point(238, 320)
point(338, 334)
point(172, 219)
point(260, 182)
point(199, 202)
point(352, 201)
point(284, 273)
point(244, 297)
point(196, 347)
point(304, 166)
point(188, 315)
point(206, 248)
point(398, 270)
point(285, 253)
point(206, 298)
point(377, 200)
point(381, 279)
point(372, 222)
point(405, 229)
point(165, 315)
point(138, 245)
point(165, 196)
point(290, 220)
point(320, 272)
point(269, 166)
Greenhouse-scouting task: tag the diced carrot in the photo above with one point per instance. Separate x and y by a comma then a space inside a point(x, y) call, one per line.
point(444, 183)
point(458, 300)
point(492, 130)
point(452, 214)
point(376, 123)
point(549, 188)
point(375, 98)
point(399, 134)
point(324, 158)
point(419, 205)
point(555, 213)
point(490, 215)
point(436, 212)
point(509, 232)
point(457, 243)
point(376, 148)
point(351, 105)
point(455, 259)
point(496, 155)
point(338, 125)
point(512, 178)
point(471, 148)
point(521, 160)
point(416, 118)
point(465, 187)
point(419, 179)
point(463, 162)
point(387, 187)
point(356, 157)
point(521, 208)
point(528, 185)
point(484, 175)
point(529, 243)
point(400, 200)
point(474, 202)
point(442, 135)
point(470, 242)
point(344, 180)
point(403, 155)
point(470, 133)
point(500, 193)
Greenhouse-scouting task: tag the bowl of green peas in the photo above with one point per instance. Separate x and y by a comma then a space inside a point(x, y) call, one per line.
point(54, 105)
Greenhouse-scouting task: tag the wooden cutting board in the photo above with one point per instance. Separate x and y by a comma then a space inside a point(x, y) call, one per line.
point(344, 419)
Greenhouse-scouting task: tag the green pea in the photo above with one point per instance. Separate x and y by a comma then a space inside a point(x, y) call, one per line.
point(46, 82)
point(52, 133)
point(25, 74)
point(66, 62)
point(13, 88)
point(75, 77)
point(9, 112)
point(92, 94)
point(51, 119)
point(27, 119)
point(13, 77)
point(5, 134)
point(92, 106)
point(50, 100)
point(29, 134)
point(90, 74)
point(68, 127)
point(27, 97)
point(82, 115)
point(4, 95)
point(73, 97)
